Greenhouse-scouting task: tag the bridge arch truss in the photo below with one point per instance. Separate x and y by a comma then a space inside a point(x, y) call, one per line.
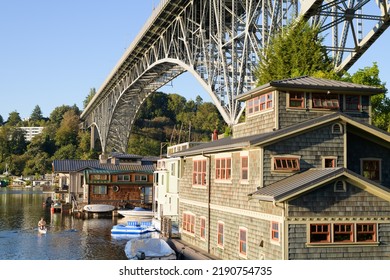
point(218, 41)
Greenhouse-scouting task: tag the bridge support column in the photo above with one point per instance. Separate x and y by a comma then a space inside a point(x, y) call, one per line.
point(93, 137)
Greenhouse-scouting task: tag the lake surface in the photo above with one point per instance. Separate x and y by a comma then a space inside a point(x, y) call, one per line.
point(67, 238)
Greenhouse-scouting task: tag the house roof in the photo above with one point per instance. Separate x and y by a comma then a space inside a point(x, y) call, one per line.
point(75, 165)
point(307, 82)
point(229, 143)
point(310, 179)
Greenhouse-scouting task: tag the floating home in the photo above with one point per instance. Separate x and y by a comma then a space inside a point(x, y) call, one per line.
point(121, 180)
point(305, 176)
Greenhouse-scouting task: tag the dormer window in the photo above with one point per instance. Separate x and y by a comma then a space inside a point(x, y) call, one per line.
point(352, 102)
point(325, 101)
point(297, 100)
point(259, 103)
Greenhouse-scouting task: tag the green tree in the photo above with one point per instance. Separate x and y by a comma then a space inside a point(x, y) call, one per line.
point(66, 152)
point(1, 120)
point(36, 116)
point(89, 97)
point(295, 51)
point(17, 142)
point(68, 131)
point(380, 103)
point(58, 113)
point(14, 119)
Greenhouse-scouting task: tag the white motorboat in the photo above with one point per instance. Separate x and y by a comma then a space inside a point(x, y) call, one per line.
point(136, 212)
point(149, 249)
point(98, 208)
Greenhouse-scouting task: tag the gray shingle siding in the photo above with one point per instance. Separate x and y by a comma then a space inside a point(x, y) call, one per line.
point(360, 147)
point(311, 146)
point(324, 201)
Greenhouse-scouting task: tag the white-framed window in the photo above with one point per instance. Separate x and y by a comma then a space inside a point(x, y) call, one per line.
point(99, 189)
point(329, 162)
point(199, 172)
point(223, 168)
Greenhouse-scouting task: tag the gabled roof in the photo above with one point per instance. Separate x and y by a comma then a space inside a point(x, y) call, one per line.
point(306, 82)
point(230, 144)
point(310, 179)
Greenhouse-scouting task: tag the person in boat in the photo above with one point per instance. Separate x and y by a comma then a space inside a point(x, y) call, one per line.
point(42, 223)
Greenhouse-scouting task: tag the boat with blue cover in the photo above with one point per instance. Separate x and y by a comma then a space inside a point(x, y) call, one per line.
point(133, 227)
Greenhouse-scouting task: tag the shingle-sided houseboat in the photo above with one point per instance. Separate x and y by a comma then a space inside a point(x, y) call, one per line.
point(306, 176)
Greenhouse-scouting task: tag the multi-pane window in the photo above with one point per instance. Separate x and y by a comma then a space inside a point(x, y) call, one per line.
point(325, 101)
point(371, 169)
point(244, 168)
point(319, 233)
point(275, 231)
point(189, 223)
point(259, 103)
point(286, 164)
point(223, 168)
point(203, 227)
point(199, 172)
point(365, 232)
point(243, 241)
point(99, 190)
point(297, 100)
point(123, 177)
point(220, 234)
point(141, 178)
point(352, 102)
point(342, 232)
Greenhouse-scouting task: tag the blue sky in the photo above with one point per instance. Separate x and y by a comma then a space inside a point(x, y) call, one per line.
point(53, 52)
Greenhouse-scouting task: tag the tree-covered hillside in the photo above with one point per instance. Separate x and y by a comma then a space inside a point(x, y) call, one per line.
point(163, 118)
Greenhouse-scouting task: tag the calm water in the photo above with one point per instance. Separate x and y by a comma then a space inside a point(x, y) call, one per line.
point(68, 238)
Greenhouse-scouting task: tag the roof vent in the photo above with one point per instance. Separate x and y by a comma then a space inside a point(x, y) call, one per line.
point(337, 128)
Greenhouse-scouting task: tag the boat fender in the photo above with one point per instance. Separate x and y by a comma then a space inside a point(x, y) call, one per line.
point(140, 255)
point(115, 188)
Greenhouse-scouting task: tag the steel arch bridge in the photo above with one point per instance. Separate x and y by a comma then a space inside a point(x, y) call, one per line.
point(218, 41)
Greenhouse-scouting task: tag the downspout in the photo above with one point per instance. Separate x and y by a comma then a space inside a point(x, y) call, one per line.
point(208, 202)
point(284, 228)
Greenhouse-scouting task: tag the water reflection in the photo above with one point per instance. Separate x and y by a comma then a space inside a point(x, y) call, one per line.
point(68, 238)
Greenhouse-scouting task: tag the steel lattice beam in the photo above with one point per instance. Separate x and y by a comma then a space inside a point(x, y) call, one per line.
point(218, 41)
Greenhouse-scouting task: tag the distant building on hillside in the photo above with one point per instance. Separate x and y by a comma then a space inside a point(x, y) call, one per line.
point(31, 132)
